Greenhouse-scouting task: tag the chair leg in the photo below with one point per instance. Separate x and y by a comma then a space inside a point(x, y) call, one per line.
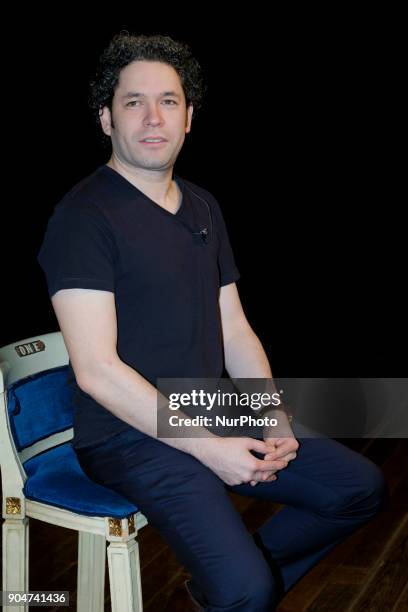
point(124, 576)
point(91, 572)
point(15, 558)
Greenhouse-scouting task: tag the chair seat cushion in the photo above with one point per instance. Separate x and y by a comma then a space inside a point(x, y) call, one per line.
point(55, 477)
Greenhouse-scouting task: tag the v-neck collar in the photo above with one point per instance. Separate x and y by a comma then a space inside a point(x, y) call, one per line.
point(124, 181)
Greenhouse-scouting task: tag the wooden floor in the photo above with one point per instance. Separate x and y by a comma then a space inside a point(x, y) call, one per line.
point(367, 572)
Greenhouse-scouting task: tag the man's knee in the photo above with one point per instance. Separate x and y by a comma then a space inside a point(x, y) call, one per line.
point(375, 490)
point(254, 590)
point(368, 496)
point(261, 593)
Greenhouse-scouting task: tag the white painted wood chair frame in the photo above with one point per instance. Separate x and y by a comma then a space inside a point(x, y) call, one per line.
point(17, 361)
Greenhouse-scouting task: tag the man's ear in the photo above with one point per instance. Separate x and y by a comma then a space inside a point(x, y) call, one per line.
point(189, 117)
point(105, 118)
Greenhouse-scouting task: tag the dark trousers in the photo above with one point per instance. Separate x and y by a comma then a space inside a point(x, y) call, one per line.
point(329, 491)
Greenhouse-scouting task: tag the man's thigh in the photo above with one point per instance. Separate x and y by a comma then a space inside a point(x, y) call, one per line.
point(190, 507)
point(324, 475)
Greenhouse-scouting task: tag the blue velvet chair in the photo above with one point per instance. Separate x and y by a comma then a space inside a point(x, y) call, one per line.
point(42, 479)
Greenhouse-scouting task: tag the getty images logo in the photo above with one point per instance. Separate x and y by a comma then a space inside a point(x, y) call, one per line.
point(23, 350)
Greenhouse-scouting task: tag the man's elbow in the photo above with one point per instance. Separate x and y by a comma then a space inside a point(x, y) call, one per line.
point(241, 330)
point(89, 376)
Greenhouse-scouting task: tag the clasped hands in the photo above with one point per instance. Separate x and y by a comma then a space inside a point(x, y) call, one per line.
point(283, 448)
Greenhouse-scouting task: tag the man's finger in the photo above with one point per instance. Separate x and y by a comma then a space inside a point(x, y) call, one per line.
point(264, 465)
point(257, 445)
point(286, 456)
point(262, 477)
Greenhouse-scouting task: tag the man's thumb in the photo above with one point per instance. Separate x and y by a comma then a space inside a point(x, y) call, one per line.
point(258, 445)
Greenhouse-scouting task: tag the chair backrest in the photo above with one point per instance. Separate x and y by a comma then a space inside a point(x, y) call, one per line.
point(31, 356)
point(36, 408)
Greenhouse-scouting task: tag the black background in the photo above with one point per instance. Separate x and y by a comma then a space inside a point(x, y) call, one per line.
point(296, 142)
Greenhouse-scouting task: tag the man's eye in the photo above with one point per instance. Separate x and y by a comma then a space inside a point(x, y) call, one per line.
point(133, 103)
point(169, 102)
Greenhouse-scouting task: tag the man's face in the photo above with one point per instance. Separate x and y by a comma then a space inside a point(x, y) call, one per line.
point(149, 103)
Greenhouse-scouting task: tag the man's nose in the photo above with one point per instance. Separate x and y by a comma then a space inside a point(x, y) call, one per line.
point(153, 115)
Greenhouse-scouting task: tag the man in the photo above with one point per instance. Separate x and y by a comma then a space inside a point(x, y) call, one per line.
point(142, 279)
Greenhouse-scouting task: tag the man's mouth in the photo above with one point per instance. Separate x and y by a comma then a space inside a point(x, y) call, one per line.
point(153, 140)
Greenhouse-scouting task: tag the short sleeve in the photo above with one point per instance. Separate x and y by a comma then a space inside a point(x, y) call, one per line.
point(78, 251)
point(229, 272)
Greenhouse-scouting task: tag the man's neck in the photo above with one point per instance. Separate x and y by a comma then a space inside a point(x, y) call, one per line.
point(158, 186)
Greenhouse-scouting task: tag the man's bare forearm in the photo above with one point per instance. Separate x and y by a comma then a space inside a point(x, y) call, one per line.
point(131, 398)
point(245, 357)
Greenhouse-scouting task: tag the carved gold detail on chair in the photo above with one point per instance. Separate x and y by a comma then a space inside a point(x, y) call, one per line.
point(131, 521)
point(115, 527)
point(13, 505)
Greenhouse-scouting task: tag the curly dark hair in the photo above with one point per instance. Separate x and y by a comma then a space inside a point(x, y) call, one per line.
point(125, 48)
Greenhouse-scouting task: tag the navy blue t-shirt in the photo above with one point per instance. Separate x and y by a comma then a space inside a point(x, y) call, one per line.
point(164, 269)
